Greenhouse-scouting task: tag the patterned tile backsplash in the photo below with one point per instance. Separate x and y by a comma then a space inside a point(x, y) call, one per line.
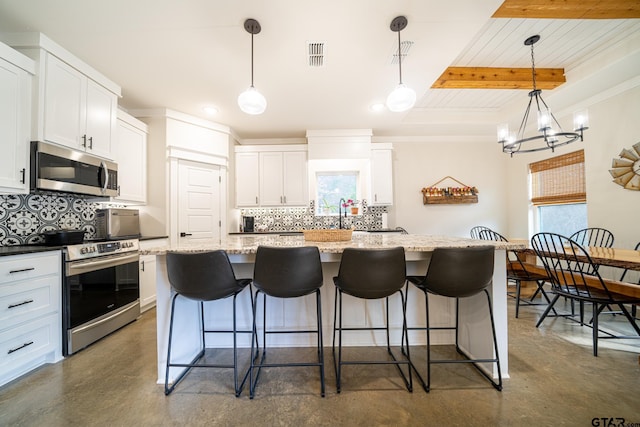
point(24, 217)
point(295, 219)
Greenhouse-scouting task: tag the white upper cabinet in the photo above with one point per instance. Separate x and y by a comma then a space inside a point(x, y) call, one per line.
point(130, 154)
point(16, 73)
point(78, 112)
point(73, 104)
point(247, 179)
point(271, 176)
point(295, 187)
point(381, 177)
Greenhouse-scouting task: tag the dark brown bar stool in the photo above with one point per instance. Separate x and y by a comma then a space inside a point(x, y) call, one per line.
point(204, 276)
point(370, 274)
point(458, 273)
point(282, 272)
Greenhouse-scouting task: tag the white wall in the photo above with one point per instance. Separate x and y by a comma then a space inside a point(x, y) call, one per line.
point(418, 164)
point(614, 124)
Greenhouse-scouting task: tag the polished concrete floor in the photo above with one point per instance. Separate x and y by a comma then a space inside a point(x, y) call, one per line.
point(555, 380)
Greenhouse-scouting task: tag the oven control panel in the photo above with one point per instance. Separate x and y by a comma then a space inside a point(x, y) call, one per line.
point(96, 249)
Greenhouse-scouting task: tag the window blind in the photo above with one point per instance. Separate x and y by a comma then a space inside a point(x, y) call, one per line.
point(558, 180)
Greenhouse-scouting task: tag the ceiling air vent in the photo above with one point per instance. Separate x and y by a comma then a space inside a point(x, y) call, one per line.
point(315, 54)
point(404, 51)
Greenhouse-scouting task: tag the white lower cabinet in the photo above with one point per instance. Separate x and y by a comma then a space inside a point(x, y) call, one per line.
point(147, 282)
point(30, 312)
point(148, 273)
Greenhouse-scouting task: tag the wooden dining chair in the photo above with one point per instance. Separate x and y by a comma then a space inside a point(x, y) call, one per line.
point(574, 276)
point(634, 309)
point(518, 272)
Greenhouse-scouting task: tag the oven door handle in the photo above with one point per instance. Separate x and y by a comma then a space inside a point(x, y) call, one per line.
point(79, 267)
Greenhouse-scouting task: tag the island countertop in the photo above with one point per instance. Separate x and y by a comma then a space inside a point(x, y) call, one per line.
point(248, 244)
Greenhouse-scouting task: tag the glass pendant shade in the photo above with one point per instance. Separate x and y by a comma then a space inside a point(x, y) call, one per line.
point(401, 99)
point(252, 102)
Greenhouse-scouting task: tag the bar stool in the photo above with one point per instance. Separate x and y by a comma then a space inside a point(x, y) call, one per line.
point(286, 272)
point(370, 274)
point(204, 276)
point(458, 273)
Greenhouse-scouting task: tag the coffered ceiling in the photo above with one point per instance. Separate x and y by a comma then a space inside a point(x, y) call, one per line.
point(188, 54)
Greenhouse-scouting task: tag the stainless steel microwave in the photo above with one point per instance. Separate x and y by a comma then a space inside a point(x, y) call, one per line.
point(55, 168)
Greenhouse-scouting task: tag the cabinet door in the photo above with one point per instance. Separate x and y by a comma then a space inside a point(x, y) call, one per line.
point(247, 179)
point(147, 282)
point(130, 153)
point(100, 119)
point(381, 177)
point(14, 128)
point(64, 100)
point(271, 178)
point(295, 179)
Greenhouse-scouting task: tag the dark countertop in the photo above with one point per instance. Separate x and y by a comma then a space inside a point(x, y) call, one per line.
point(26, 249)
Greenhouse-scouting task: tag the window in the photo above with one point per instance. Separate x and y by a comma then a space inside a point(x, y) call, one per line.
point(559, 194)
point(331, 187)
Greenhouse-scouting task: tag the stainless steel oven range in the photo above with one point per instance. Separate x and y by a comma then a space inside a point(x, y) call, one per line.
point(100, 291)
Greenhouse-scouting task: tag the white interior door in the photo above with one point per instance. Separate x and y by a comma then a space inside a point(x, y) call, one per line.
point(199, 202)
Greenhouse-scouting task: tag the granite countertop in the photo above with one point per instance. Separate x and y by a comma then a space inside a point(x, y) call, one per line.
point(248, 244)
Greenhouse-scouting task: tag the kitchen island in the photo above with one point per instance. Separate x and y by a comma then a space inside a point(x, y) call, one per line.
point(475, 329)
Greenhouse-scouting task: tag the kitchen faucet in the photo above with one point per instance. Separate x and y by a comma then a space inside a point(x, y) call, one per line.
point(340, 204)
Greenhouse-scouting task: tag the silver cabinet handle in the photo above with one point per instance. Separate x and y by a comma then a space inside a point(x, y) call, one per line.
point(23, 172)
point(91, 143)
point(84, 141)
point(256, 200)
point(285, 200)
point(142, 265)
point(20, 303)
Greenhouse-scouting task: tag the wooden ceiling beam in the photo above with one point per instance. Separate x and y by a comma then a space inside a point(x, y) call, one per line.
point(569, 9)
point(498, 78)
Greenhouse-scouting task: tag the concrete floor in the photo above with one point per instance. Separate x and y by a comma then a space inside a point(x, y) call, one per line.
point(555, 380)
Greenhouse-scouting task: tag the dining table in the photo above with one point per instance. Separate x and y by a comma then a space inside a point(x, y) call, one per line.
point(611, 257)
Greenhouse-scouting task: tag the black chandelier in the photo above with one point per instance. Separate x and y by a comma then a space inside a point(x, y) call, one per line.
point(550, 133)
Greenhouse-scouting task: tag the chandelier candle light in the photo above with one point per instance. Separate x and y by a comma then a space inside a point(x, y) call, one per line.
point(251, 101)
point(402, 98)
point(551, 134)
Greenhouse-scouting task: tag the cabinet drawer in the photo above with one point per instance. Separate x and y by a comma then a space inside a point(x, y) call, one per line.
point(20, 267)
point(22, 301)
point(21, 345)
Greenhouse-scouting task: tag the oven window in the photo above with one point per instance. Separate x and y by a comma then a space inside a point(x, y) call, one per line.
point(93, 294)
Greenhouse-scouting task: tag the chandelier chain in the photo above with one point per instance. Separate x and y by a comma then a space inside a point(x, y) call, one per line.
point(533, 68)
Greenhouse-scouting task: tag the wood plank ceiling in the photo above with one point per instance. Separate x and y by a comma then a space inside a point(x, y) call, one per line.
point(546, 78)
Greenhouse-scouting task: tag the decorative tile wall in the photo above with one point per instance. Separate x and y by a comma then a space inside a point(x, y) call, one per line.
point(24, 217)
point(295, 219)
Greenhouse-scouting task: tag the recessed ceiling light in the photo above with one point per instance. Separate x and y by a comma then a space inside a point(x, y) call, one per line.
point(376, 108)
point(212, 111)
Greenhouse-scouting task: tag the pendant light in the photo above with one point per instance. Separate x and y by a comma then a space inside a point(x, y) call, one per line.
point(402, 98)
point(550, 134)
point(251, 101)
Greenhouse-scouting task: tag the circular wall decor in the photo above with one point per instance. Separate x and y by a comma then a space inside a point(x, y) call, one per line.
point(626, 169)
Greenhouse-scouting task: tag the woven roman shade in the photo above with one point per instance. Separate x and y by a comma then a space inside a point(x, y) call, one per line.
point(558, 180)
